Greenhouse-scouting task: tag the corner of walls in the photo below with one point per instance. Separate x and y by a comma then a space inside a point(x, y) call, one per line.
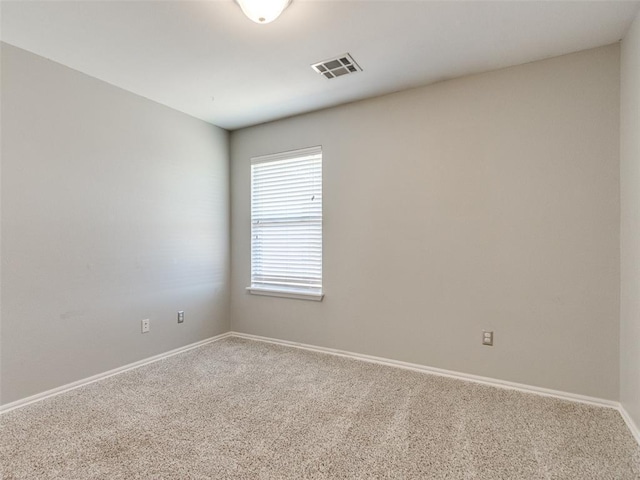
point(630, 226)
point(230, 143)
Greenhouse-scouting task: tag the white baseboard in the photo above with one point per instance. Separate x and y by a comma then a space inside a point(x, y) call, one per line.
point(635, 431)
point(494, 382)
point(574, 397)
point(95, 378)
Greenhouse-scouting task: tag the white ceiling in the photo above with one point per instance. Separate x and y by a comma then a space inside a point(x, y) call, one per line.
point(183, 53)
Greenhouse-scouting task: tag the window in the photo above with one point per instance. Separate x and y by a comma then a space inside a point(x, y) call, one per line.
point(286, 224)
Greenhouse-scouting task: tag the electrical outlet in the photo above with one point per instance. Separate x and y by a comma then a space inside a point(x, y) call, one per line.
point(487, 338)
point(180, 316)
point(146, 325)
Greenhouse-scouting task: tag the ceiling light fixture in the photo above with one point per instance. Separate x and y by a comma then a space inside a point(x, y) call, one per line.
point(263, 11)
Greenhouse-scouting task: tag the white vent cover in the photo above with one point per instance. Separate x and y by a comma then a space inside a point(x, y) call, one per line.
point(336, 67)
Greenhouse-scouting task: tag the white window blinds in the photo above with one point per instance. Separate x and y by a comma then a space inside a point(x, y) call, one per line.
point(286, 223)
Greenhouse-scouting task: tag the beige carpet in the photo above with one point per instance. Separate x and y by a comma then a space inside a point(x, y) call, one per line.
point(251, 410)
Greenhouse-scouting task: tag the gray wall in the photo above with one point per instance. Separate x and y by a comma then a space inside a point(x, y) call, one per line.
point(114, 209)
point(486, 202)
point(630, 223)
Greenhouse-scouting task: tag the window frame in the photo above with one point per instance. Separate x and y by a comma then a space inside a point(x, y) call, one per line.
point(283, 291)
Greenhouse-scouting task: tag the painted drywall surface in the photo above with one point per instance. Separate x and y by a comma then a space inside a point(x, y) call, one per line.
point(114, 209)
point(487, 202)
point(630, 222)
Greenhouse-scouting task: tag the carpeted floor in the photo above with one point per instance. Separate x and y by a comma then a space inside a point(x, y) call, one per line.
point(243, 410)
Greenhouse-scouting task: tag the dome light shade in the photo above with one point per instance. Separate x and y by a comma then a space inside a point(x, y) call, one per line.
point(263, 11)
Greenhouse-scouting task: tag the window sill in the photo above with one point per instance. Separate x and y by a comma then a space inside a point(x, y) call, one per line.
point(295, 294)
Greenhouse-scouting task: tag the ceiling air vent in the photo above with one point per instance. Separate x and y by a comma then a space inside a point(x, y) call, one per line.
point(336, 67)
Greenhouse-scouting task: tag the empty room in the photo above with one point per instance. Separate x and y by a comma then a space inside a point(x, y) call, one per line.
point(313, 239)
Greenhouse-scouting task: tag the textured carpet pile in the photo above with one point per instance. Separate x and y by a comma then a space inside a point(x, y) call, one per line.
point(240, 409)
